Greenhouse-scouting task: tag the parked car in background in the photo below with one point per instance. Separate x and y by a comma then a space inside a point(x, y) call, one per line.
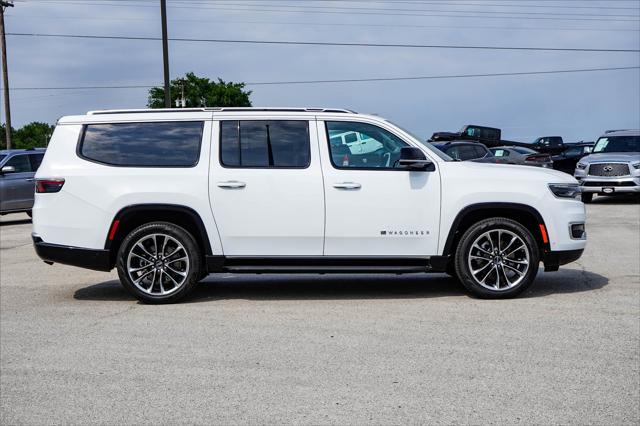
point(464, 151)
point(17, 170)
point(566, 161)
point(613, 167)
point(549, 144)
point(520, 155)
point(488, 136)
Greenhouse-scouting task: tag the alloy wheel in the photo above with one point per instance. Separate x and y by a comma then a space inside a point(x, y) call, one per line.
point(499, 259)
point(158, 264)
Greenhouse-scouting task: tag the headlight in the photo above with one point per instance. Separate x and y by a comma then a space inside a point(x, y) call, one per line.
point(581, 166)
point(565, 190)
point(636, 165)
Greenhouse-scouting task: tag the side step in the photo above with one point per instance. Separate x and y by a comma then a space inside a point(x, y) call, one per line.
point(326, 264)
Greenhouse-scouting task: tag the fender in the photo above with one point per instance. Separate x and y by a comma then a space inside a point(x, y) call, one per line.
point(454, 230)
point(115, 235)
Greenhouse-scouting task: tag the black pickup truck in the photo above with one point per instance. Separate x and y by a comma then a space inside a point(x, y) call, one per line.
point(492, 137)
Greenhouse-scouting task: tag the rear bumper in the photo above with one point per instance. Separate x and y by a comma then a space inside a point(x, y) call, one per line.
point(553, 259)
point(97, 260)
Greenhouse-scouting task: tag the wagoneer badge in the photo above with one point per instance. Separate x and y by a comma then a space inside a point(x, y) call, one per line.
point(404, 233)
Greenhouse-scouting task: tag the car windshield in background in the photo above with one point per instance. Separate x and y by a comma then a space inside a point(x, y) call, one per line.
point(2, 157)
point(524, 151)
point(617, 144)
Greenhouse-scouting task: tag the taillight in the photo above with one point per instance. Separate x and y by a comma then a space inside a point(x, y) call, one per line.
point(49, 185)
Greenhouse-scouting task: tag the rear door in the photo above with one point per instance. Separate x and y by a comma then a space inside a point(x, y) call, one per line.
point(265, 186)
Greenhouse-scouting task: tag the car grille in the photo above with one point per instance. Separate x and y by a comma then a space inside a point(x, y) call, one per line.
point(609, 169)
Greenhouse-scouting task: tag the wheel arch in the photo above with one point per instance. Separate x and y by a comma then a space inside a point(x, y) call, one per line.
point(130, 217)
point(526, 215)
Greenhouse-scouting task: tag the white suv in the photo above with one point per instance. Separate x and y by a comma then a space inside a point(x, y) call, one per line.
point(168, 196)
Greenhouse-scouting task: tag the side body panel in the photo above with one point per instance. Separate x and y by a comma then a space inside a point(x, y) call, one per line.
point(469, 183)
point(82, 212)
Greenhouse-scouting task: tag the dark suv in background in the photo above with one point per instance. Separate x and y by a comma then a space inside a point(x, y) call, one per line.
point(17, 170)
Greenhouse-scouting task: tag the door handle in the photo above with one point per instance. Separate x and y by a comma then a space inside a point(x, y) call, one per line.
point(30, 180)
point(347, 185)
point(232, 184)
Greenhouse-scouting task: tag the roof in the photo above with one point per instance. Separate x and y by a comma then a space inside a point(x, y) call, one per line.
point(625, 132)
point(456, 143)
point(20, 151)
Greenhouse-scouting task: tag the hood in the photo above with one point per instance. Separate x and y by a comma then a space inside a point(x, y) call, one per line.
point(511, 172)
point(622, 157)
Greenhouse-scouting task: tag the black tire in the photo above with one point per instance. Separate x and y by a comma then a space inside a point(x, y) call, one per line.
point(29, 213)
point(497, 262)
point(169, 236)
point(586, 197)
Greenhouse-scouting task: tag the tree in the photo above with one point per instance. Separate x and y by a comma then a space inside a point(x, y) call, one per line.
point(201, 92)
point(32, 135)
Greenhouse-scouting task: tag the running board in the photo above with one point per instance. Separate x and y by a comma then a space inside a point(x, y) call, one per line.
point(326, 264)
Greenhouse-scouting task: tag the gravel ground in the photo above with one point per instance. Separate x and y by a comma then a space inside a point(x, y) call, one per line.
point(75, 348)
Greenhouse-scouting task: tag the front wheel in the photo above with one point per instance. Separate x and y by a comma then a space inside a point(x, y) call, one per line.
point(586, 197)
point(497, 258)
point(159, 262)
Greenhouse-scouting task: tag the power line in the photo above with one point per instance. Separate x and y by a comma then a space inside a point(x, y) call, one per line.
point(386, 12)
point(325, 43)
point(351, 80)
point(339, 24)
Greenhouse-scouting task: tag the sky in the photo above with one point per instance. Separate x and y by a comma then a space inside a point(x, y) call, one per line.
point(577, 106)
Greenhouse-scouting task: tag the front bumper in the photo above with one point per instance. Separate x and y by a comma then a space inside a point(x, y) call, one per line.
point(610, 186)
point(553, 259)
point(98, 260)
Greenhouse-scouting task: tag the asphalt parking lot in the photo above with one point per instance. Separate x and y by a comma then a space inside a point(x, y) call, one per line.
point(75, 348)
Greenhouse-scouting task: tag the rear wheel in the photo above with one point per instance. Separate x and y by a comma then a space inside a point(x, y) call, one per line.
point(159, 262)
point(586, 197)
point(497, 258)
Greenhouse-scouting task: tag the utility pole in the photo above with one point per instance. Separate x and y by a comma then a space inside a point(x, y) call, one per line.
point(165, 53)
point(5, 73)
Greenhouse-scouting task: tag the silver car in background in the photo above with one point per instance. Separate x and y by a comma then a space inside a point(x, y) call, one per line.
point(613, 167)
point(17, 170)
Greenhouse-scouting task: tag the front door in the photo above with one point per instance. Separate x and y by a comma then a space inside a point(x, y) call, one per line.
point(17, 187)
point(266, 188)
point(374, 208)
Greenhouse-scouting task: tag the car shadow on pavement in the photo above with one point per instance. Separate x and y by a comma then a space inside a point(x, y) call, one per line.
point(346, 287)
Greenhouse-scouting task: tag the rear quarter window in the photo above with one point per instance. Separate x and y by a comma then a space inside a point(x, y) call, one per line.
point(150, 144)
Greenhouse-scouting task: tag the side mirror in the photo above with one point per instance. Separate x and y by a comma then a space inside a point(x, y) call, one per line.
point(8, 169)
point(413, 159)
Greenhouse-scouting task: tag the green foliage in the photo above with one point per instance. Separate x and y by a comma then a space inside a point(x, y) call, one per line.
point(202, 92)
point(32, 135)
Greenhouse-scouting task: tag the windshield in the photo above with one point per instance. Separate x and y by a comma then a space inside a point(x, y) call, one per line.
point(617, 144)
point(432, 148)
point(524, 151)
point(2, 157)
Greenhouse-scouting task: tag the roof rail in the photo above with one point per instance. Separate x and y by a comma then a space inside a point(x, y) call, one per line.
point(278, 109)
point(275, 109)
point(143, 110)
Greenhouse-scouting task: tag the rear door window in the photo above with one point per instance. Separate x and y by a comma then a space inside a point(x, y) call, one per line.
point(265, 143)
point(149, 144)
point(36, 160)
